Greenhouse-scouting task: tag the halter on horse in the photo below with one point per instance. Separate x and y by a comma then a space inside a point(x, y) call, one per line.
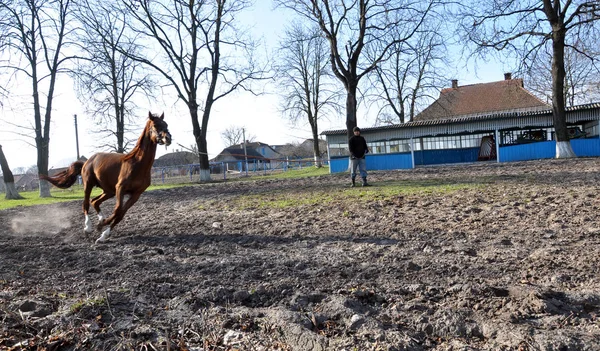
point(116, 174)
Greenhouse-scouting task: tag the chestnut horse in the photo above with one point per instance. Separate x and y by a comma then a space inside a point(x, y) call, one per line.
point(116, 174)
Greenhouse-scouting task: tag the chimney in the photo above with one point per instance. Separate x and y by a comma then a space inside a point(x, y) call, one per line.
point(507, 76)
point(454, 83)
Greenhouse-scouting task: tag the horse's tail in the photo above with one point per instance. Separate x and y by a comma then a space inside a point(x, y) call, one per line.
point(65, 178)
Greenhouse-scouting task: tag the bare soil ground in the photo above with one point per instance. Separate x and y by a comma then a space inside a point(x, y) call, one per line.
point(467, 257)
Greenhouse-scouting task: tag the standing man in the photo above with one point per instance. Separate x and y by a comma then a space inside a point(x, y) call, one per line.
point(358, 149)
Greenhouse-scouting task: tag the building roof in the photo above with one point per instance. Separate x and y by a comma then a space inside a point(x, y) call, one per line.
point(485, 98)
point(251, 144)
point(577, 113)
point(176, 158)
point(238, 153)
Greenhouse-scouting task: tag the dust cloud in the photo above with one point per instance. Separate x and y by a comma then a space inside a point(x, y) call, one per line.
point(45, 221)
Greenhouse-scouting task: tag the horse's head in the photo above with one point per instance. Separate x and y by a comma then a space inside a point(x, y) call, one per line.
point(159, 130)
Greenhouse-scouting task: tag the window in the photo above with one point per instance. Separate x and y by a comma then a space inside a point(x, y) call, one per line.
point(399, 145)
point(450, 142)
point(338, 150)
point(377, 147)
point(592, 130)
point(513, 137)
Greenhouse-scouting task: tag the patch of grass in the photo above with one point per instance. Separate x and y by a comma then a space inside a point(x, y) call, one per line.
point(93, 302)
point(381, 191)
point(32, 198)
point(296, 173)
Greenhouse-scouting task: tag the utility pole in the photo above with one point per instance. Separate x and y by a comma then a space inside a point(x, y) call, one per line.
point(76, 137)
point(245, 153)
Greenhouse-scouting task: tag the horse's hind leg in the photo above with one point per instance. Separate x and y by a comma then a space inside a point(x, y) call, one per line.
point(118, 214)
point(96, 202)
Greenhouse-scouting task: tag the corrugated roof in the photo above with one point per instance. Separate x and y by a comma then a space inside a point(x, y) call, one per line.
point(238, 154)
point(468, 118)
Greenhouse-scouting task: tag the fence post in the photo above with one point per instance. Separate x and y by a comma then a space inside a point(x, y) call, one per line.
point(224, 170)
point(162, 175)
point(265, 168)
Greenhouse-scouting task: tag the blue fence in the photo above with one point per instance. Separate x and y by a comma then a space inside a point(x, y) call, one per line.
point(547, 149)
point(404, 160)
point(531, 151)
point(389, 161)
point(586, 147)
point(435, 157)
point(338, 164)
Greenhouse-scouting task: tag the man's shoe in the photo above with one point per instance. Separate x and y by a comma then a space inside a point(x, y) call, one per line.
point(366, 184)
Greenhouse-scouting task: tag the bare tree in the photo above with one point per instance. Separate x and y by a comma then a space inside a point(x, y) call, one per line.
point(20, 170)
point(36, 33)
point(192, 148)
point(108, 80)
point(32, 170)
point(525, 27)
point(9, 179)
point(359, 27)
point(235, 135)
point(582, 76)
point(412, 75)
point(306, 92)
point(302, 150)
point(199, 45)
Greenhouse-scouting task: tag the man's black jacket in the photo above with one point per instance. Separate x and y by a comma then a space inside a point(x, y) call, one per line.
point(357, 146)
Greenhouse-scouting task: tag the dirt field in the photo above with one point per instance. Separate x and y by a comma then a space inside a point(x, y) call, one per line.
point(467, 257)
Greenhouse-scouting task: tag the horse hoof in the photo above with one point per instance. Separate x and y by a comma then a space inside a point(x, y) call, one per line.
point(104, 236)
point(87, 225)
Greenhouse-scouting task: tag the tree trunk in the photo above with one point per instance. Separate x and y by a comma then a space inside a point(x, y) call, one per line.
point(9, 179)
point(351, 108)
point(41, 142)
point(316, 149)
point(204, 162)
point(563, 145)
point(200, 138)
point(42, 163)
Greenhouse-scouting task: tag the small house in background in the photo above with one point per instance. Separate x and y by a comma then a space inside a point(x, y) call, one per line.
point(176, 164)
point(23, 182)
point(234, 159)
point(176, 158)
point(264, 150)
point(27, 182)
point(499, 121)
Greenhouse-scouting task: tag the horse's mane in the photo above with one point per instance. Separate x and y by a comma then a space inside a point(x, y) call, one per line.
point(138, 145)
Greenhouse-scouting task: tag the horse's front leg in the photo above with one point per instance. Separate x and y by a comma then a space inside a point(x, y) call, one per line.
point(117, 215)
point(86, 207)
